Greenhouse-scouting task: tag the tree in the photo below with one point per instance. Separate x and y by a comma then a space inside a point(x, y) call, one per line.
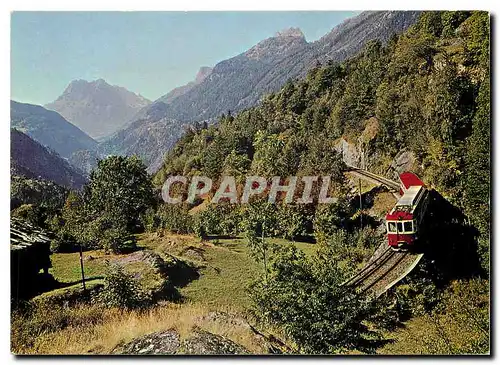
point(108, 211)
point(478, 174)
point(329, 218)
point(120, 189)
point(305, 298)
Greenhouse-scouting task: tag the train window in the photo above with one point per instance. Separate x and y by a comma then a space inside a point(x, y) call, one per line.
point(400, 227)
point(408, 226)
point(391, 226)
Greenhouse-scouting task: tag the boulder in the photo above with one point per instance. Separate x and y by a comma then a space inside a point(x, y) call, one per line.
point(158, 343)
point(206, 343)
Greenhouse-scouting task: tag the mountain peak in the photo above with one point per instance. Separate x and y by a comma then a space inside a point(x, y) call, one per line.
point(290, 32)
point(83, 84)
point(96, 107)
point(203, 72)
point(100, 81)
point(284, 42)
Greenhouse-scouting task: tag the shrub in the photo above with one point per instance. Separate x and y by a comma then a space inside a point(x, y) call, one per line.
point(172, 217)
point(305, 298)
point(220, 219)
point(122, 290)
point(118, 241)
point(294, 221)
point(329, 218)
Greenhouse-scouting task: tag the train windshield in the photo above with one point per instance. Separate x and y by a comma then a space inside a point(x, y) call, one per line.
point(400, 227)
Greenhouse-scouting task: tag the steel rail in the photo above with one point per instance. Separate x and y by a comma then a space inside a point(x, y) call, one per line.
point(384, 273)
point(369, 268)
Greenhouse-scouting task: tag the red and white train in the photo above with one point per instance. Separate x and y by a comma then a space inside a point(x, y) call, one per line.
point(404, 221)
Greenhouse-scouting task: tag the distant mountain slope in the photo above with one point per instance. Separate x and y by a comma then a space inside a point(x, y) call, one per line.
point(49, 128)
point(241, 81)
point(97, 108)
point(30, 159)
point(181, 90)
point(147, 138)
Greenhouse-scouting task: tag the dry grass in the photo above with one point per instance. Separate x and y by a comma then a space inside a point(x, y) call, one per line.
point(120, 327)
point(383, 204)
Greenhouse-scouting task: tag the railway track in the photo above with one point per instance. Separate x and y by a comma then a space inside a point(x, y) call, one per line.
point(381, 273)
point(376, 283)
point(374, 178)
point(384, 271)
point(366, 271)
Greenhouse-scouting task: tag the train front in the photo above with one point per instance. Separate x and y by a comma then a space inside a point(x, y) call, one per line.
point(400, 229)
point(403, 220)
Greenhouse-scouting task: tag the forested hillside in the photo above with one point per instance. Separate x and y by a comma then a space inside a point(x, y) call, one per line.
point(426, 91)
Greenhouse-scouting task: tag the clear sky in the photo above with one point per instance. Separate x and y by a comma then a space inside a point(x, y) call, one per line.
point(147, 52)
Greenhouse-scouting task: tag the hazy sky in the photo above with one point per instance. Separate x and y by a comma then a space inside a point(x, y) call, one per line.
point(147, 52)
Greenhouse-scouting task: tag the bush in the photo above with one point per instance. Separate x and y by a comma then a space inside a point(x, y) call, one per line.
point(459, 324)
point(118, 241)
point(260, 216)
point(329, 218)
point(294, 220)
point(305, 298)
point(351, 248)
point(219, 219)
point(122, 290)
point(174, 218)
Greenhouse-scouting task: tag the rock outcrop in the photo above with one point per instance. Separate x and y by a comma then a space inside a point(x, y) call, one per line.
point(168, 343)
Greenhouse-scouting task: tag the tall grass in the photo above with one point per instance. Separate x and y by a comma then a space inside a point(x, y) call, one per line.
point(89, 329)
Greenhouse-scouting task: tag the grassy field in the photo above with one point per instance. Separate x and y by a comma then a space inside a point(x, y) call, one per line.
point(66, 266)
point(225, 266)
point(229, 271)
point(225, 269)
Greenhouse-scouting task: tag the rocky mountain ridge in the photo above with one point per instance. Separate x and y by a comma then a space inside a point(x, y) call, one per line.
point(49, 129)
